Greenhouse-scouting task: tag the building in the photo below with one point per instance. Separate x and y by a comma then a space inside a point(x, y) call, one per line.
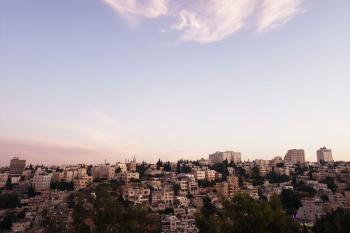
point(229, 188)
point(131, 165)
point(188, 185)
point(122, 167)
point(3, 179)
point(210, 174)
point(41, 182)
point(136, 193)
point(310, 210)
point(230, 156)
point(83, 182)
point(295, 156)
point(103, 171)
point(20, 226)
point(182, 221)
point(127, 176)
point(163, 196)
point(17, 166)
point(324, 154)
point(199, 174)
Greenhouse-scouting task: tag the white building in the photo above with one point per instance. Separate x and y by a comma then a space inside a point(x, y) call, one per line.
point(219, 157)
point(21, 226)
point(210, 174)
point(41, 182)
point(324, 154)
point(127, 176)
point(295, 156)
point(103, 171)
point(199, 174)
point(3, 179)
point(310, 211)
point(122, 167)
point(136, 193)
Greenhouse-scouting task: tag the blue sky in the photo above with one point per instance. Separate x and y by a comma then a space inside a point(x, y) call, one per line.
point(87, 80)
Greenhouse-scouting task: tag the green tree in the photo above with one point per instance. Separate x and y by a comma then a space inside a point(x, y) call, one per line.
point(257, 178)
point(336, 222)
point(167, 166)
point(7, 221)
point(275, 178)
point(159, 163)
point(290, 201)
point(242, 214)
point(9, 184)
point(330, 183)
point(9, 201)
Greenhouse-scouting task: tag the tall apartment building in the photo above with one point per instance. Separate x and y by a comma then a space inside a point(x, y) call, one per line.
point(230, 156)
point(324, 154)
point(229, 188)
point(103, 171)
point(41, 182)
point(17, 166)
point(295, 156)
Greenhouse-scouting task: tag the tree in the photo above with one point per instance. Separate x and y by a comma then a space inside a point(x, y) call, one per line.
point(186, 169)
point(176, 188)
point(330, 183)
point(336, 222)
point(206, 183)
point(257, 178)
point(9, 184)
point(108, 213)
point(302, 187)
point(141, 168)
point(281, 223)
point(7, 221)
point(9, 201)
point(221, 168)
point(206, 220)
point(167, 166)
point(159, 163)
point(242, 214)
point(62, 186)
point(31, 192)
point(275, 178)
point(290, 201)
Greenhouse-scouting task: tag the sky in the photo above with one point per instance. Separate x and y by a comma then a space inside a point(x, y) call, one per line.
point(89, 80)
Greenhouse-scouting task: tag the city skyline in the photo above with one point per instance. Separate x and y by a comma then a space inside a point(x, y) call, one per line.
point(110, 79)
point(217, 157)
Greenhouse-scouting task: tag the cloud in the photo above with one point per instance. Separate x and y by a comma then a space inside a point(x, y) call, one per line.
point(213, 20)
point(275, 13)
point(207, 21)
point(133, 9)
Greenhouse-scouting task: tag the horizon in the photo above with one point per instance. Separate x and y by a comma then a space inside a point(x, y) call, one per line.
point(113, 161)
point(111, 79)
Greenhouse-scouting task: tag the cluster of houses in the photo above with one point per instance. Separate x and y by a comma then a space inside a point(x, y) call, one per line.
point(176, 190)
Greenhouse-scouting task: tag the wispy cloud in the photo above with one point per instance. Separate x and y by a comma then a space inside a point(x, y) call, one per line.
point(207, 21)
point(213, 20)
point(132, 10)
point(275, 13)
